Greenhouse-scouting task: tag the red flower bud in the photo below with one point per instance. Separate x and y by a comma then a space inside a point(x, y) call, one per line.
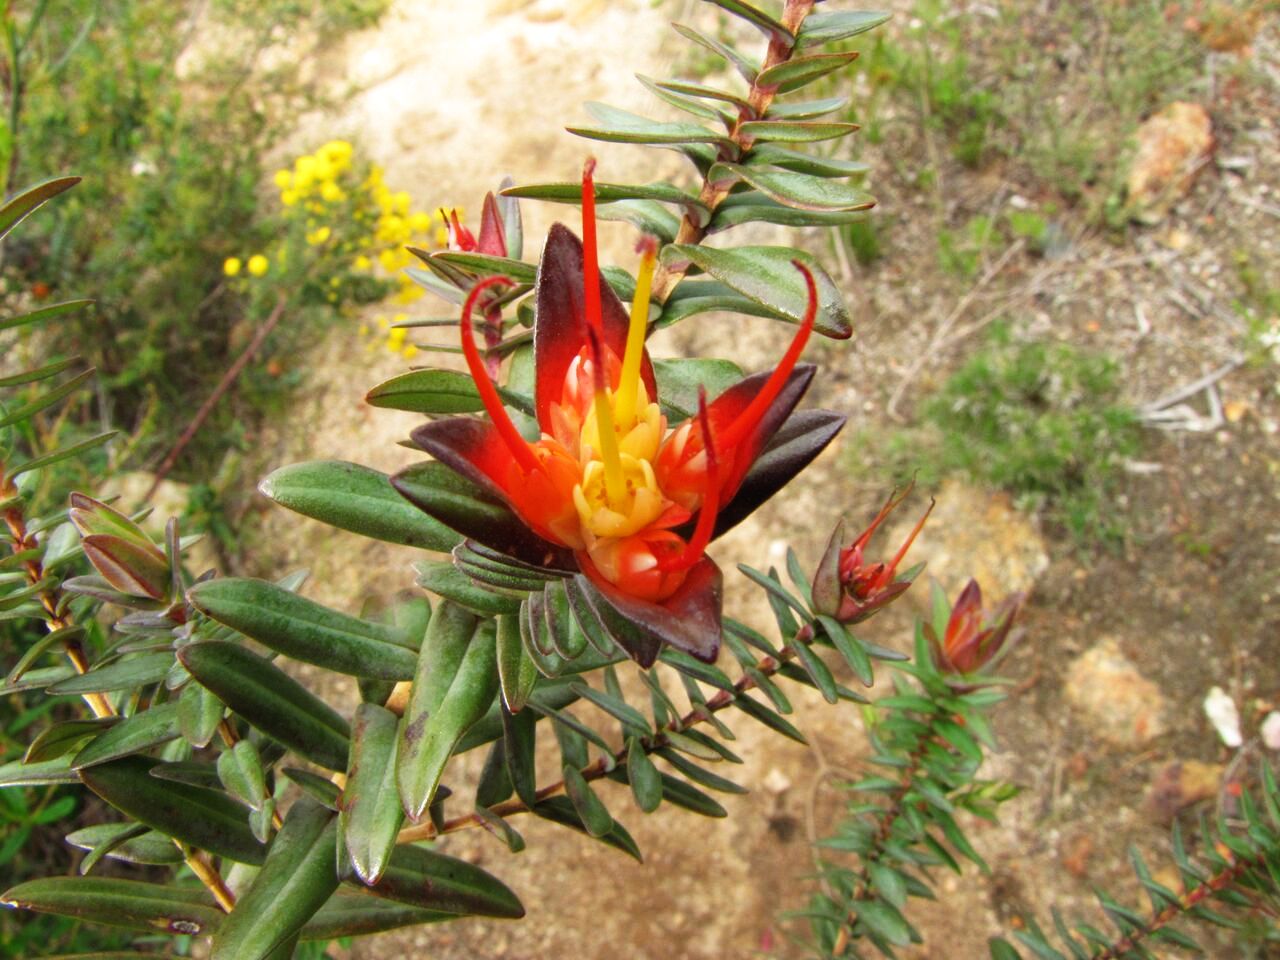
point(972, 638)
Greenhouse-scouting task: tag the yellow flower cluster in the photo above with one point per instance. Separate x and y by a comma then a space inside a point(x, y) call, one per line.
point(353, 224)
point(392, 337)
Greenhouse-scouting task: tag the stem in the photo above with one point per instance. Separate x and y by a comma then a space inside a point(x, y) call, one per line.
point(201, 866)
point(1220, 881)
point(50, 599)
point(759, 99)
point(602, 765)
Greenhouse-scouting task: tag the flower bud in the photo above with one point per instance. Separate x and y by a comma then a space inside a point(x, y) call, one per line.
point(847, 587)
point(965, 638)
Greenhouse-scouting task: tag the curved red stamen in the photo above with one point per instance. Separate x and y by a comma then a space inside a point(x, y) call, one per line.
point(902, 551)
point(706, 524)
point(737, 431)
point(590, 258)
point(517, 444)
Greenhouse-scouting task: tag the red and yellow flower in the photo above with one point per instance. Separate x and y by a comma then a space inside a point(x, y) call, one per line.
point(972, 638)
point(610, 489)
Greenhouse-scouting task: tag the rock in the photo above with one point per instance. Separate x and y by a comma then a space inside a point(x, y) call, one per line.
point(971, 533)
point(1271, 730)
point(1173, 145)
point(776, 782)
point(1119, 705)
point(1179, 784)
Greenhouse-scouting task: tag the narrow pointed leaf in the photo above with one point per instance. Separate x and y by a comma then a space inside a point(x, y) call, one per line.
point(795, 131)
point(767, 276)
point(199, 713)
point(773, 155)
point(122, 903)
point(819, 28)
point(349, 913)
point(516, 672)
point(427, 391)
point(561, 810)
point(454, 686)
point(148, 728)
point(303, 629)
point(203, 818)
point(270, 699)
point(445, 580)
point(19, 207)
point(139, 670)
point(65, 737)
point(756, 17)
point(643, 776)
point(800, 190)
point(520, 739)
point(622, 126)
point(370, 814)
point(44, 313)
point(434, 881)
point(126, 842)
point(499, 827)
point(240, 770)
point(15, 773)
point(295, 881)
point(745, 66)
point(796, 72)
point(355, 498)
point(46, 399)
point(40, 373)
point(757, 711)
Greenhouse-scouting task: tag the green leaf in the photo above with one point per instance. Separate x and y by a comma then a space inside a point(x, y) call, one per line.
point(199, 713)
point(39, 648)
point(767, 276)
point(800, 190)
point(455, 683)
point(445, 580)
point(240, 770)
point(609, 193)
point(850, 648)
point(303, 629)
point(745, 66)
point(817, 671)
point(64, 453)
point(40, 373)
point(349, 913)
point(700, 775)
point(484, 265)
point(675, 790)
point(622, 126)
point(679, 381)
point(128, 673)
point(370, 814)
point(591, 811)
point(796, 72)
point(561, 810)
point(756, 17)
point(62, 738)
point(295, 881)
point(772, 155)
point(820, 28)
point(126, 842)
point(148, 728)
point(1000, 950)
point(705, 296)
point(19, 207)
point(691, 103)
point(884, 921)
point(499, 827)
point(643, 776)
point(355, 498)
point(795, 131)
point(428, 391)
point(516, 672)
point(754, 207)
point(758, 711)
point(47, 399)
point(270, 699)
point(203, 818)
point(15, 773)
point(322, 791)
point(619, 709)
point(44, 313)
point(647, 216)
point(432, 880)
point(122, 903)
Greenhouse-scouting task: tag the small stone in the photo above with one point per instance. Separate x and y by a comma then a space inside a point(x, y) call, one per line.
point(1180, 784)
point(776, 782)
point(1271, 730)
point(1120, 706)
point(1222, 713)
point(1075, 855)
point(1173, 145)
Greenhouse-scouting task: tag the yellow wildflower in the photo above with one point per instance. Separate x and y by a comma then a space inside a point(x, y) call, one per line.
point(318, 236)
point(231, 266)
point(409, 352)
point(284, 179)
point(419, 222)
point(258, 265)
point(331, 192)
point(362, 263)
point(289, 197)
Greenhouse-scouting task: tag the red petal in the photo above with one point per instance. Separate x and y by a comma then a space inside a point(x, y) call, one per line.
point(493, 239)
point(560, 327)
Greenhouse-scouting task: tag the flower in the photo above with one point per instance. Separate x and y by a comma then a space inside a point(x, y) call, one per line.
point(846, 587)
point(608, 490)
point(231, 266)
point(258, 265)
point(972, 638)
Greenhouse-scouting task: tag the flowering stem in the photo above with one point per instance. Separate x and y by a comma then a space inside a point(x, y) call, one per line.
point(759, 100)
point(767, 666)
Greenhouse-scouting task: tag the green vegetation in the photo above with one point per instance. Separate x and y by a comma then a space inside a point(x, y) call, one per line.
point(1039, 420)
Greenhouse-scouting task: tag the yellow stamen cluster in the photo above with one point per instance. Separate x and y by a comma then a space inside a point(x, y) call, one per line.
point(344, 224)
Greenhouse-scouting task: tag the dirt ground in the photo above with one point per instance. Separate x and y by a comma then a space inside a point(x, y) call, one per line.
point(450, 97)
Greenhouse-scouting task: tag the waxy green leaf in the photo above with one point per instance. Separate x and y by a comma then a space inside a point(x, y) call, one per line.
point(643, 776)
point(622, 126)
point(800, 190)
point(349, 913)
point(19, 207)
point(680, 380)
point(772, 155)
point(767, 276)
point(561, 810)
point(44, 313)
point(517, 674)
point(752, 206)
point(121, 903)
point(15, 773)
point(796, 72)
point(204, 818)
point(746, 67)
point(270, 699)
point(794, 131)
point(355, 498)
point(295, 881)
point(427, 391)
point(303, 629)
point(434, 881)
point(64, 737)
point(591, 811)
point(128, 673)
point(819, 28)
point(199, 712)
point(445, 580)
point(770, 27)
point(608, 193)
point(455, 684)
point(126, 842)
point(145, 729)
point(240, 771)
point(369, 814)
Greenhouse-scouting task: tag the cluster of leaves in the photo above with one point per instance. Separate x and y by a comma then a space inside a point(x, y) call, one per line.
point(1040, 420)
point(171, 180)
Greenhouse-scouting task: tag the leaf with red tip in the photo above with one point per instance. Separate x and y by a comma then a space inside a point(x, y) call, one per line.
point(688, 620)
